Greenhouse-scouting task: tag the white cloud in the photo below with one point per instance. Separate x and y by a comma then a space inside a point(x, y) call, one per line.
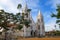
point(53, 3)
point(50, 25)
point(1, 7)
point(4, 1)
point(11, 5)
point(47, 14)
point(8, 5)
point(49, 21)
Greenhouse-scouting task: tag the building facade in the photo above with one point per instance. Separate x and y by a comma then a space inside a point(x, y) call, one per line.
point(35, 29)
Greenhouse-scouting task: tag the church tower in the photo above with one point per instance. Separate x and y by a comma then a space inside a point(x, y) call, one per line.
point(40, 25)
point(25, 8)
point(26, 15)
point(25, 12)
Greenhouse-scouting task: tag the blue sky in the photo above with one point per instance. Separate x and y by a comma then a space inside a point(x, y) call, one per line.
point(45, 6)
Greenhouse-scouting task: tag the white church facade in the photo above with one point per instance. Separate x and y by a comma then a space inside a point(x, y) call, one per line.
point(35, 29)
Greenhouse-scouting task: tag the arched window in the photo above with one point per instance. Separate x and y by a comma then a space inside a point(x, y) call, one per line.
point(38, 26)
point(38, 20)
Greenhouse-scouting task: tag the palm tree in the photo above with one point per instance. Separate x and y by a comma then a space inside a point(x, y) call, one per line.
point(19, 7)
point(57, 16)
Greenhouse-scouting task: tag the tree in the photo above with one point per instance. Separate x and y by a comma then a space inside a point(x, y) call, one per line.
point(19, 7)
point(18, 20)
point(6, 19)
point(22, 20)
point(3, 19)
point(57, 16)
point(27, 23)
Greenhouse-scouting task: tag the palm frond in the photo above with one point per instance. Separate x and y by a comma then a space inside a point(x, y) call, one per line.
point(57, 21)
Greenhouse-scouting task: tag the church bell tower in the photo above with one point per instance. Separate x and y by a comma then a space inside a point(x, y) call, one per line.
point(26, 15)
point(40, 25)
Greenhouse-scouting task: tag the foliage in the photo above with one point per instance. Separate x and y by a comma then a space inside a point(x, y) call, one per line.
point(57, 16)
point(19, 27)
point(29, 10)
point(27, 23)
point(3, 19)
point(19, 6)
point(6, 18)
point(57, 33)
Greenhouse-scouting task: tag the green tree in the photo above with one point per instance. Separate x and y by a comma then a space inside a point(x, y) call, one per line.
point(22, 20)
point(57, 16)
point(19, 7)
point(6, 18)
point(3, 19)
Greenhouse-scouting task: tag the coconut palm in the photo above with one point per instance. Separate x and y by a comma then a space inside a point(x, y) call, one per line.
point(19, 7)
point(57, 16)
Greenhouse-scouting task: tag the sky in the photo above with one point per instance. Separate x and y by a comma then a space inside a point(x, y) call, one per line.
point(45, 6)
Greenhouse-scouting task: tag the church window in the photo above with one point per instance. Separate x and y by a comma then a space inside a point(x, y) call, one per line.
point(31, 27)
point(38, 26)
point(26, 15)
point(22, 14)
point(42, 19)
point(38, 20)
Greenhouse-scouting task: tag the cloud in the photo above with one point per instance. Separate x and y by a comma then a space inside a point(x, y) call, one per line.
point(8, 5)
point(50, 25)
point(11, 5)
point(1, 7)
point(53, 3)
point(4, 1)
point(33, 3)
point(49, 21)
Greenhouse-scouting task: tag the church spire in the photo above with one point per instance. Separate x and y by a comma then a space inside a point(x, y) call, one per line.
point(26, 5)
point(25, 8)
point(39, 15)
point(40, 25)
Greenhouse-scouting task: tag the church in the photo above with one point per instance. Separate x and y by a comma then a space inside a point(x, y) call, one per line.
point(36, 29)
